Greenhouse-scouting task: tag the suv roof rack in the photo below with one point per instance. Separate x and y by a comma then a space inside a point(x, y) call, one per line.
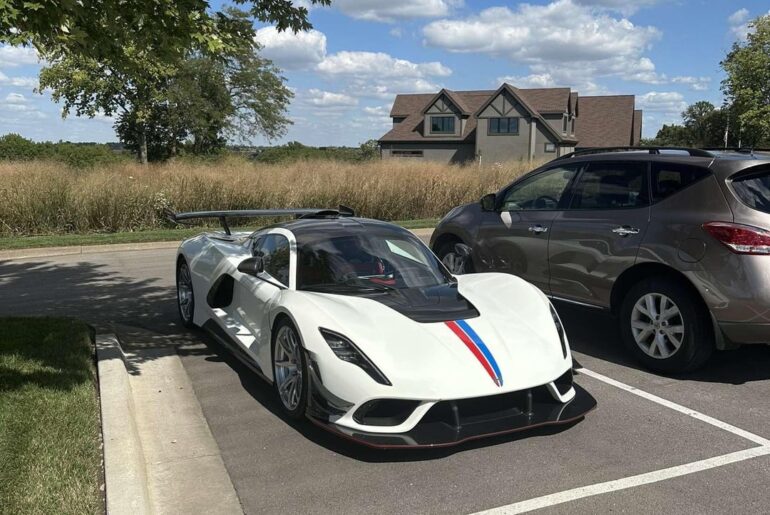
point(693, 152)
point(179, 218)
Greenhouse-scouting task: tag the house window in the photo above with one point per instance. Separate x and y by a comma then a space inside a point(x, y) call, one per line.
point(564, 124)
point(406, 153)
point(398, 119)
point(550, 148)
point(503, 126)
point(442, 124)
point(572, 131)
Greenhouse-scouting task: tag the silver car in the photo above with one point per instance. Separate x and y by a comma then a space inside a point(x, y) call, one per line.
point(674, 242)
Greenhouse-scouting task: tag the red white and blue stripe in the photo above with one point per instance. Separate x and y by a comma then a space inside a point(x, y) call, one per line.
point(476, 345)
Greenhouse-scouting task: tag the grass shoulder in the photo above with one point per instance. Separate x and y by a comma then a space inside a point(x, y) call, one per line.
point(50, 456)
point(152, 235)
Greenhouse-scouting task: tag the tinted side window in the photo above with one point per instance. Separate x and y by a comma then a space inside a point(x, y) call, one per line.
point(754, 190)
point(275, 252)
point(542, 192)
point(611, 186)
point(668, 178)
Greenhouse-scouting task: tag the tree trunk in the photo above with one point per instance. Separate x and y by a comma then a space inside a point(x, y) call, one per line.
point(143, 145)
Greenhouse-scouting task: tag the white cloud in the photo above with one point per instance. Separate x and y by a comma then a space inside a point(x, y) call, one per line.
point(622, 6)
point(379, 64)
point(739, 24)
point(292, 51)
point(670, 103)
point(535, 80)
point(319, 98)
point(15, 98)
point(393, 10)
point(695, 83)
point(396, 32)
point(18, 82)
point(570, 42)
point(11, 56)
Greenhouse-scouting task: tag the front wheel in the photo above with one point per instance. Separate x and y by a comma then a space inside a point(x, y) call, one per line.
point(289, 370)
point(666, 326)
point(184, 294)
point(455, 263)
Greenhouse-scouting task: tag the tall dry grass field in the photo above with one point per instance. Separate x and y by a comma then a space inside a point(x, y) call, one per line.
point(46, 198)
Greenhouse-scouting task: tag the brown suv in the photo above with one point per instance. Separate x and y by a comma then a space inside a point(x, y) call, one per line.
point(675, 242)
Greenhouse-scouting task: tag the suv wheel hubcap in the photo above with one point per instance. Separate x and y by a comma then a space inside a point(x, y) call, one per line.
point(657, 325)
point(454, 263)
point(288, 371)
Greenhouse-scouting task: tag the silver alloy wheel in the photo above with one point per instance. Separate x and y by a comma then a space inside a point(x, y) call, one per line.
point(288, 367)
point(184, 292)
point(454, 263)
point(657, 325)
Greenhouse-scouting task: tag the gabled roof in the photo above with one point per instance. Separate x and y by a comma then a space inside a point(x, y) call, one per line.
point(455, 99)
point(605, 121)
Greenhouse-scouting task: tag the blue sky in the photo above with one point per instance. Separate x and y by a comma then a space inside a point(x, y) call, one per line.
point(346, 71)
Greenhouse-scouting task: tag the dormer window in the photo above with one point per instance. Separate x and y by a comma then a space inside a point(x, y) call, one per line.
point(564, 124)
point(442, 124)
point(503, 126)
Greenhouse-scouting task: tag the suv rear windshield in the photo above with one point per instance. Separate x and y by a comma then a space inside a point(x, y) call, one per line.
point(754, 189)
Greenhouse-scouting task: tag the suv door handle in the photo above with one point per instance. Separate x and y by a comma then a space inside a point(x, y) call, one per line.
point(625, 230)
point(537, 229)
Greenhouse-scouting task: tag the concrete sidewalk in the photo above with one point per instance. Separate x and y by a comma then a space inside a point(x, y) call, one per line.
point(160, 456)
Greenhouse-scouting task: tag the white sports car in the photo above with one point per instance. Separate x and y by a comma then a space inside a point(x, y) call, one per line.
point(362, 329)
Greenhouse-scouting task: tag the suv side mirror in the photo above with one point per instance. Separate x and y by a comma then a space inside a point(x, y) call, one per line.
point(252, 266)
point(488, 202)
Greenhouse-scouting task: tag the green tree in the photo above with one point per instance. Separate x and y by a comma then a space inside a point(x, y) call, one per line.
point(208, 101)
point(105, 30)
point(697, 119)
point(747, 85)
point(674, 136)
point(370, 150)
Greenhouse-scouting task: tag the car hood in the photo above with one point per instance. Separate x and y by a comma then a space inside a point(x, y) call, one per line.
point(511, 345)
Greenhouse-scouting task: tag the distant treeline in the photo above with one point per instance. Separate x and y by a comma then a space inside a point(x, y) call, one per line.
point(85, 155)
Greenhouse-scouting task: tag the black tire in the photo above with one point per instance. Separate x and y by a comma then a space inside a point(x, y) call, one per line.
point(448, 247)
point(696, 341)
point(297, 411)
point(184, 300)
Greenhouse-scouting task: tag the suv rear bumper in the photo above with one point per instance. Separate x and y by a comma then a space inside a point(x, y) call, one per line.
point(745, 333)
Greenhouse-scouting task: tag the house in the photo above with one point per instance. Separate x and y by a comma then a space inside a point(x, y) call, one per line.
point(507, 124)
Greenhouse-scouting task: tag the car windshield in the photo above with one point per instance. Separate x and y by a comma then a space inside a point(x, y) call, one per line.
point(367, 262)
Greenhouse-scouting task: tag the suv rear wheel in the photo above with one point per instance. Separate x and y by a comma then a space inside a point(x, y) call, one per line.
point(665, 326)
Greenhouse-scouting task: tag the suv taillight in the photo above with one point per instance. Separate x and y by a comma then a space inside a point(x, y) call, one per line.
point(741, 239)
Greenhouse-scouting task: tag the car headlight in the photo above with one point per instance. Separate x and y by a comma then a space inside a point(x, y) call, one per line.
point(559, 329)
point(346, 350)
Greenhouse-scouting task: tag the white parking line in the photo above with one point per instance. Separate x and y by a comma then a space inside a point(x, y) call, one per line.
point(627, 482)
point(677, 407)
point(648, 477)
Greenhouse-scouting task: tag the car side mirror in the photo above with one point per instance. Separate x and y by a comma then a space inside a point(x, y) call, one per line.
point(488, 202)
point(252, 266)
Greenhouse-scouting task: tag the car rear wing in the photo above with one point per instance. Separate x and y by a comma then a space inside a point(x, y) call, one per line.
point(223, 216)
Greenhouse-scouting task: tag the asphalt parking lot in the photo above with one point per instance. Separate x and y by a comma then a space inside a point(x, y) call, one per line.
point(698, 443)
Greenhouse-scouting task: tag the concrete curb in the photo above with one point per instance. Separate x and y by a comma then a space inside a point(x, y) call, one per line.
point(46, 252)
point(124, 465)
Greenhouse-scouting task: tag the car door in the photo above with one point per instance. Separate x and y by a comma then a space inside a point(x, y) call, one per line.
point(253, 297)
point(598, 236)
point(514, 237)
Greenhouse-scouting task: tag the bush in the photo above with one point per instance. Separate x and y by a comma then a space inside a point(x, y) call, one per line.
point(78, 155)
point(39, 197)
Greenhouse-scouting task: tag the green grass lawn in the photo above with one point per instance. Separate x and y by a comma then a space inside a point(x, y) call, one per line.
point(50, 455)
point(68, 240)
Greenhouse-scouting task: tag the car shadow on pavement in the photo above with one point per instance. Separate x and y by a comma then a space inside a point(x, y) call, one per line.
point(263, 393)
point(595, 333)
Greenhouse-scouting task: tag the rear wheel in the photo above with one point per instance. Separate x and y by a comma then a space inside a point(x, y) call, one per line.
point(451, 259)
point(289, 370)
point(666, 326)
point(184, 294)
